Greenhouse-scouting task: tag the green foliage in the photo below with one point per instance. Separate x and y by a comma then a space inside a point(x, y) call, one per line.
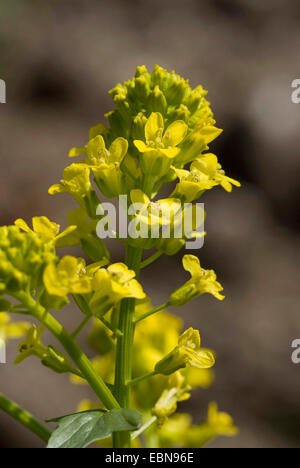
point(82, 429)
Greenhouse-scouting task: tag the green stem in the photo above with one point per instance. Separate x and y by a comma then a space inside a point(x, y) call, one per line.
point(151, 259)
point(25, 418)
point(124, 348)
point(72, 348)
point(141, 378)
point(151, 312)
point(115, 331)
point(81, 326)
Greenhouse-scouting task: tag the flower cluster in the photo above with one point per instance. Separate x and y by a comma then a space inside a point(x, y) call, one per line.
point(157, 135)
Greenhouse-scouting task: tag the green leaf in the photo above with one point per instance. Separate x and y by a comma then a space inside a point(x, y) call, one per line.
point(82, 429)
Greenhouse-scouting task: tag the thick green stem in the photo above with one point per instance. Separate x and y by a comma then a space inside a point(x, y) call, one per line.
point(25, 418)
point(72, 348)
point(124, 348)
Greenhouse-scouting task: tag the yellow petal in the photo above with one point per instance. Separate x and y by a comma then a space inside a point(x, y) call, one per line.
point(118, 149)
point(154, 126)
point(141, 146)
point(22, 225)
point(56, 188)
point(210, 133)
point(191, 264)
point(170, 152)
point(137, 196)
point(66, 232)
point(42, 225)
point(76, 152)
point(175, 133)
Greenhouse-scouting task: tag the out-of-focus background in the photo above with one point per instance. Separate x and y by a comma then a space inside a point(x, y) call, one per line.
point(59, 58)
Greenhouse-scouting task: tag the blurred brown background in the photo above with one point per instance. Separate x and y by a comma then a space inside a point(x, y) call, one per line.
point(59, 58)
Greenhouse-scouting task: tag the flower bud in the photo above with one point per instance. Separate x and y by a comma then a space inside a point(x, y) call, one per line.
point(157, 101)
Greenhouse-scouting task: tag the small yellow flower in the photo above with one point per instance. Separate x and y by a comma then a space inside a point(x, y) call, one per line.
point(222, 423)
point(113, 284)
point(192, 184)
point(10, 330)
point(186, 353)
point(158, 140)
point(47, 230)
point(161, 212)
point(32, 345)
point(159, 148)
point(209, 166)
point(67, 277)
point(176, 391)
point(105, 163)
point(76, 181)
point(201, 282)
point(49, 356)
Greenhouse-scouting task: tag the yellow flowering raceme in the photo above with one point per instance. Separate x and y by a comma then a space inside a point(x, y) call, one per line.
point(186, 353)
point(201, 282)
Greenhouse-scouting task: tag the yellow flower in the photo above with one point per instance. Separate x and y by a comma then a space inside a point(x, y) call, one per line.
point(186, 353)
point(221, 422)
point(99, 158)
point(105, 164)
point(209, 166)
point(192, 184)
point(159, 148)
point(161, 212)
point(76, 181)
point(201, 282)
point(176, 391)
point(10, 330)
point(111, 285)
point(217, 424)
point(32, 345)
point(67, 277)
point(158, 140)
point(49, 356)
point(47, 230)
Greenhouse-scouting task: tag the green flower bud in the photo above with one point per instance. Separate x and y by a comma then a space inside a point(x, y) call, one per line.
point(56, 361)
point(142, 88)
point(157, 101)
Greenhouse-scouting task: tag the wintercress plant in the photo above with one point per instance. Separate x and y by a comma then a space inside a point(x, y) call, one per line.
point(145, 362)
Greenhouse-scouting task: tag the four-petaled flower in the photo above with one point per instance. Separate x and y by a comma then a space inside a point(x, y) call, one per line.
point(187, 353)
point(158, 140)
point(76, 181)
point(69, 276)
point(111, 285)
point(47, 230)
point(201, 282)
